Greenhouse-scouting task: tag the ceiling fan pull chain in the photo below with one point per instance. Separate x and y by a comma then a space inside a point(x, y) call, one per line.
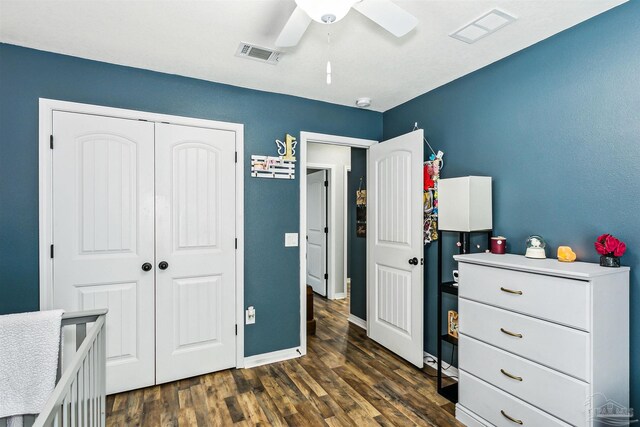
point(328, 61)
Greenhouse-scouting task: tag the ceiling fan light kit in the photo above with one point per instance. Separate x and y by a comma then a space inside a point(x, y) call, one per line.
point(326, 11)
point(385, 13)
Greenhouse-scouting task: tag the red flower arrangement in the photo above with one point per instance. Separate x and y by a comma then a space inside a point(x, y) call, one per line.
point(608, 245)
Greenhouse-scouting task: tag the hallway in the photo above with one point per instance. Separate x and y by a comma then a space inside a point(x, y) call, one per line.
point(346, 379)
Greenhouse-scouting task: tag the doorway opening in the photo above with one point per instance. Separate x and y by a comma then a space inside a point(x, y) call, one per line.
point(328, 220)
point(393, 303)
point(327, 226)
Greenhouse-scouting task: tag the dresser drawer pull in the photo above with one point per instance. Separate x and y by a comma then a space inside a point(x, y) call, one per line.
point(513, 334)
point(513, 420)
point(513, 377)
point(510, 291)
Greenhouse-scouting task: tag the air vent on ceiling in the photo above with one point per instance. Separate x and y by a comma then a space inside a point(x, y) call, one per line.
point(483, 26)
point(262, 54)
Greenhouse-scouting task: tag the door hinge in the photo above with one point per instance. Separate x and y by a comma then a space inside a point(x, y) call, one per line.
point(236, 329)
point(326, 183)
point(326, 230)
point(236, 243)
point(236, 157)
point(51, 251)
point(326, 276)
point(51, 142)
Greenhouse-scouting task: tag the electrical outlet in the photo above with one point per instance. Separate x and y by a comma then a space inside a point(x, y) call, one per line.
point(250, 316)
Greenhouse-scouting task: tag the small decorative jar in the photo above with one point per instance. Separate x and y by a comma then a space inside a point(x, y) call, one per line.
point(498, 245)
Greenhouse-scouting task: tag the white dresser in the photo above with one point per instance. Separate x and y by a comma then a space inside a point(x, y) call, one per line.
point(542, 343)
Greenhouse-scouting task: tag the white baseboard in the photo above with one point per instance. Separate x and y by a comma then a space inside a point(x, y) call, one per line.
point(339, 295)
point(357, 321)
point(452, 371)
point(273, 357)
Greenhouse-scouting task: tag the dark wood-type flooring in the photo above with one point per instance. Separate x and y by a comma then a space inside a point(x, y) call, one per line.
point(345, 379)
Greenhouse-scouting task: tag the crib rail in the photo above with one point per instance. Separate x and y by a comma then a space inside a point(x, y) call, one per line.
point(79, 396)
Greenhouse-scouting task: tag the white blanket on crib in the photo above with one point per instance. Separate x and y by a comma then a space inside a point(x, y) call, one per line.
point(29, 347)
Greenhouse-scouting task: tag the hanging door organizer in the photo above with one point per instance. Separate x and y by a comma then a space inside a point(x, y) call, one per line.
point(272, 167)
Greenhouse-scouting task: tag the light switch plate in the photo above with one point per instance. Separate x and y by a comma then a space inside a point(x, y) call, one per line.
point(250, 316)
point(290, 240)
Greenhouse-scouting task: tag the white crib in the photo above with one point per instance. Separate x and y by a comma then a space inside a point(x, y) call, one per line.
point(79, 396)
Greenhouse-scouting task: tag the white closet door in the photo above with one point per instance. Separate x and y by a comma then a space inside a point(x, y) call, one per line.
point(394, 245)
point(316, 235)
point(195, 236)
point(103, 214)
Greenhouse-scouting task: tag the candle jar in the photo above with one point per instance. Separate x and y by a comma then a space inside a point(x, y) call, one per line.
point(498, 245)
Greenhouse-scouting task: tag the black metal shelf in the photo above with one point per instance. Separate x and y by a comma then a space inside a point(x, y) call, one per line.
point(450, 391)
point(448, 338)
point(449, 288)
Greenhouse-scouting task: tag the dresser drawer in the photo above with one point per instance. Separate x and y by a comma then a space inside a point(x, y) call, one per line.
point(564, 301)
point(558, 394)
point(495, 405)
point(558, 347)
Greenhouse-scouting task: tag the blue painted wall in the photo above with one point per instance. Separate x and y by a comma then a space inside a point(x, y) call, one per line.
point(357, 258)
point(271, 206)
point(558, 127)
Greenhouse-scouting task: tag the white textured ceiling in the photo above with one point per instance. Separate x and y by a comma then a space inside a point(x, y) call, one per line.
point(198, 38)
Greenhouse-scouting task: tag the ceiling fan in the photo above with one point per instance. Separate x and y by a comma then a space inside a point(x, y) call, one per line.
point(383, 12)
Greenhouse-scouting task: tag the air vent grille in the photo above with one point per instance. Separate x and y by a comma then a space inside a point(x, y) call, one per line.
point(481, 27)
point(258, 53)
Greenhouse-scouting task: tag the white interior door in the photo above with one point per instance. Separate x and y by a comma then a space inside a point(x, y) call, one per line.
point(195, 237)
point(316, 232)
point(394, 245)
point(103, 215)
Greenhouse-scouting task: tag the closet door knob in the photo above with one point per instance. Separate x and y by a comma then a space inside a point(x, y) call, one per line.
point(163, 265)
point(413, 261)
point(147, 266)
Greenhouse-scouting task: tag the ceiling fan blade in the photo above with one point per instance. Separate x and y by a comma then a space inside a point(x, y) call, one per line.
point(388, 15)
point(293, 29)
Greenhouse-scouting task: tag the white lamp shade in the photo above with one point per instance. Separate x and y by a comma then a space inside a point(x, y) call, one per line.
point(464, 204)
point(316, 9)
